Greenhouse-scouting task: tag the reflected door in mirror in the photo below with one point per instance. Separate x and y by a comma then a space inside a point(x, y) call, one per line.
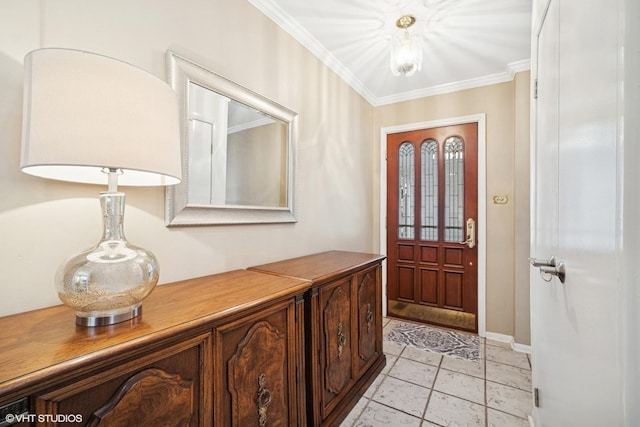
point(207, 146)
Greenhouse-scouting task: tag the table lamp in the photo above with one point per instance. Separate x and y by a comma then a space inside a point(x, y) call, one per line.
point(93, 119)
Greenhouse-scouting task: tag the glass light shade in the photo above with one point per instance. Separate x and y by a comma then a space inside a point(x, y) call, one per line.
point(107, 283)
point(406, 53)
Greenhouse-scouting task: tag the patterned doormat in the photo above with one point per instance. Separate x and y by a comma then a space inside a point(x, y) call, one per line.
point(437, 340)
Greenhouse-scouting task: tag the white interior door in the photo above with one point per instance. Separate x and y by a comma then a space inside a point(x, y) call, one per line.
point(576, 324)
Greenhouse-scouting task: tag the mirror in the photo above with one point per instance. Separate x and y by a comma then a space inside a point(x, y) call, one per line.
point(237, 152)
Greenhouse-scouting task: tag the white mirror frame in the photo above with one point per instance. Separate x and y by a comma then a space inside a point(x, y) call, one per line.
point(179, 212)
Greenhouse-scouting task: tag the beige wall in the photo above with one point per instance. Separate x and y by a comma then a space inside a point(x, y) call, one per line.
point(42, 222)
point(506, 140)
point(337, 178)
point(522, 320)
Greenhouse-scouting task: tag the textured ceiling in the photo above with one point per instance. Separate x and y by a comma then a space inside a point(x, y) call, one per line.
point(467, 43)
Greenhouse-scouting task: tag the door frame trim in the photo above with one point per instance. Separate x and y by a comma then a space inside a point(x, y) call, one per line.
point(480, 119)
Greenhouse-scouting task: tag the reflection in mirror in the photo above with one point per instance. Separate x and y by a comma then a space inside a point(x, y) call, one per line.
point(237, 155)
point(237, 152)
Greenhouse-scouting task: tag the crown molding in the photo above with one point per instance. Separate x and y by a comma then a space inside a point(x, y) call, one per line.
point(291, 26)
point(506, 76)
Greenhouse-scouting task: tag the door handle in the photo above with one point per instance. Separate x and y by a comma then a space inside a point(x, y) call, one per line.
point(471, 234)
point(557, 270)
point(549, 268)
point(536, 262)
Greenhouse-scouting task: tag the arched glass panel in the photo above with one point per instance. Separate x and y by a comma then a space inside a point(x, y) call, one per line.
point(429, 190)
point(406, 192)
point(453, 190)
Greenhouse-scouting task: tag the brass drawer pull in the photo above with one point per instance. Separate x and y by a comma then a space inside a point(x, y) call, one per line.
point(264, 398)
point(342, 340)
point(369, 317)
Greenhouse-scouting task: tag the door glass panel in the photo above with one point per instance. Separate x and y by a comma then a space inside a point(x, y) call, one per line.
point(453, 190)
point(429, 190)
point(406, 192)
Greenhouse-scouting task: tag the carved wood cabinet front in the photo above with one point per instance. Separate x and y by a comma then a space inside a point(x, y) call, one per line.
point(164, 387)
point(369, 309)
point(336, 361)
point(257, 347)
point(344, 328)
point(255, 369)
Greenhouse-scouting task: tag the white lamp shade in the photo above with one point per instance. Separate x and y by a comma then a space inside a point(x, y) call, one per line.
point(84, 112)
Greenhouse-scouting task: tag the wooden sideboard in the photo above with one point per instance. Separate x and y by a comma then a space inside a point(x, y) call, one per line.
point(228, 349)
point(343, 314)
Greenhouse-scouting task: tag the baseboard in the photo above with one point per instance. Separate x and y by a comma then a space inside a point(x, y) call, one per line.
point(521, 348)
point(508, 339)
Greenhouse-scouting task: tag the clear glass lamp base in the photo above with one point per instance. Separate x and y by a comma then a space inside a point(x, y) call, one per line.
point(106, 284)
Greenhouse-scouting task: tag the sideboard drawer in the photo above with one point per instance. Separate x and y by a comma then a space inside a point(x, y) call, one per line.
point(164, 387)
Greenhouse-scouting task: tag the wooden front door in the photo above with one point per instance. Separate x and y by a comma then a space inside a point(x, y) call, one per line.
point(432, 204)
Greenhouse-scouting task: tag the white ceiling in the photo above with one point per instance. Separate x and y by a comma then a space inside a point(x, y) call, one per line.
point(467, 43)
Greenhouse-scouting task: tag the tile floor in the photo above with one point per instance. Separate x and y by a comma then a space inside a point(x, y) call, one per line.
point(425, 389)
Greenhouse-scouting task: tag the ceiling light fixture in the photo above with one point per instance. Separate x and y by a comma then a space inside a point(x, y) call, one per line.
point(406, 48)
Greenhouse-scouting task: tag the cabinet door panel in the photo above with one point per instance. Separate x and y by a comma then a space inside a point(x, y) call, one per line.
point(369, 321)
point(337, 341)
point(166, 400)
point(166, 387)
point(255, 370)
